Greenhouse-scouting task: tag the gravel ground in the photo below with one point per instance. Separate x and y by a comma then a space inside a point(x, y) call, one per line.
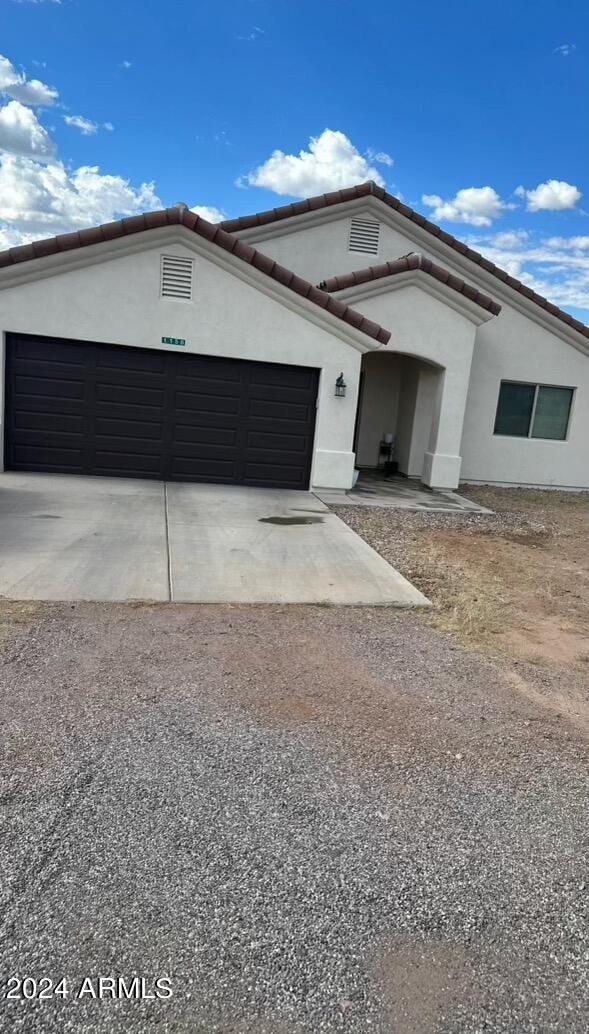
point(310, 819)
point(389, 531)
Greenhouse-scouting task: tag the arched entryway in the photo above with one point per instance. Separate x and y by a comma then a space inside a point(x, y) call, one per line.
point(399, 397)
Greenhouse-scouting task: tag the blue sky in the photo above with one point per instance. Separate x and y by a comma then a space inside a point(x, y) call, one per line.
point(110, 108)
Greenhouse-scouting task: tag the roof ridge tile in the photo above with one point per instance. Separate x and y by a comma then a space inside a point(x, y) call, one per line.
point(407, 263)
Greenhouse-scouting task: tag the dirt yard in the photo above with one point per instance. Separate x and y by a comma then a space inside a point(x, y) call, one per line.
point(311, 820)
point(515, 584)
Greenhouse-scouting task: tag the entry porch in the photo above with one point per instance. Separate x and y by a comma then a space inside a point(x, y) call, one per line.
point(409, 418)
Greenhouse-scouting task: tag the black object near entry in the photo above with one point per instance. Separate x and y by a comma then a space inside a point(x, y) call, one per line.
point(74, 407)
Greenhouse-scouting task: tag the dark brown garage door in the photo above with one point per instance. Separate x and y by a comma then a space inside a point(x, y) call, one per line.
point(79, 408)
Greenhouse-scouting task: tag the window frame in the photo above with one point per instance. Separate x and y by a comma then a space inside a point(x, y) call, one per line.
point(536, 385)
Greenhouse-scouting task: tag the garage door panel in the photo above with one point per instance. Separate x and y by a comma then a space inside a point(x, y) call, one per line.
point(119, 411)
point(108, 461)
point(112, 427)
point(133, 414)
point(277, 442)
point(116, 384)
point(61, 352)
point(277, 457)
point(267, 425)
point(205, 435)
point(45, 422)
point(129, 394)
point(125, 444)
point(195, 386)
point(276, 376)
point(207, 369)
point(279, 410)
point(190, 387)
point(185, 468)
point(265, 394)
point(127, 375)
point(207, 403)
point(52, 439)
point(257, 473)
point(198, 418)
point(199, 455)
point(42, 404)
point(45, 456)
point(37, 387)
point(59, 371)
point(135, 361)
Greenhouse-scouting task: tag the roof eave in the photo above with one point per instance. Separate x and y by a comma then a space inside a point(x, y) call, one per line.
point(472, 311)
point(412, 262)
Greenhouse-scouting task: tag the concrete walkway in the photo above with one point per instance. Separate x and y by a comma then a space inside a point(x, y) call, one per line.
point(398, 493)
point(82, 538)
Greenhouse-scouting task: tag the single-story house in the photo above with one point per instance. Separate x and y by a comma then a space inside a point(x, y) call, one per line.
point(280, 349)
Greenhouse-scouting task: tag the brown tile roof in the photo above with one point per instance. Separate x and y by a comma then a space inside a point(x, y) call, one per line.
point(404, 265)
point(337, 197)
point(213, 233)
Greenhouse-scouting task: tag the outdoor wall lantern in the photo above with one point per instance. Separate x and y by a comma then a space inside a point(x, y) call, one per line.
point(340, 387)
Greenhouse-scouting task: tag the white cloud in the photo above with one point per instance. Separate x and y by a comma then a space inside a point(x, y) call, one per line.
point(380, 157)
point(21, 133)
point(42, 200)
point(210, 213)
point(509, 238)
point(557, 268)
point(126, 65)
point(331, 163)
point(254, 33)
point(551, 196)
point(571, 243)
point(478, 206)
point(85, 125)
point(27, 91)
point(566, 292)
point(565, 49)
point(39, 195)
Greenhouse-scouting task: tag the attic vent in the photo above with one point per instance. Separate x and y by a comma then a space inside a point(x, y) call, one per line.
point(176, 277)
point(364, 236)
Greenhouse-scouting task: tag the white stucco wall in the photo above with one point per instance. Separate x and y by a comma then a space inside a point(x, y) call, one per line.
point(419, 390)
point(406, 416)
point(118, 301)
point(513, 345)
point(320, 251)
point(524, 351)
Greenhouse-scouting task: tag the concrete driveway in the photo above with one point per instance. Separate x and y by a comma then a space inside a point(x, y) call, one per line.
point(107, 539)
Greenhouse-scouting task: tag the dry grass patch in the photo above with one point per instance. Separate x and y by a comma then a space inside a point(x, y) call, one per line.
point(516, 582)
